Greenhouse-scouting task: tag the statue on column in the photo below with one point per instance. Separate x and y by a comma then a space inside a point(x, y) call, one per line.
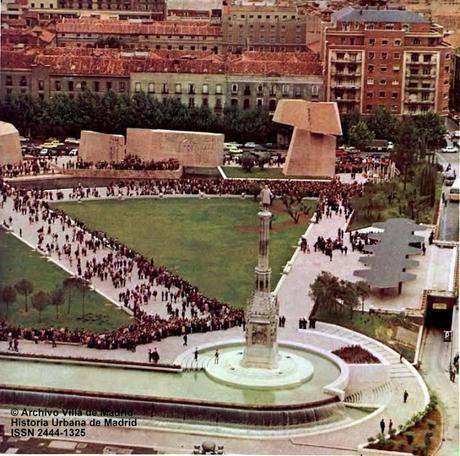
point(265, 197)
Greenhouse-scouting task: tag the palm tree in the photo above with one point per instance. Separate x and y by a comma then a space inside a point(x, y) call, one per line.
point(326, 292)
point(25, 288)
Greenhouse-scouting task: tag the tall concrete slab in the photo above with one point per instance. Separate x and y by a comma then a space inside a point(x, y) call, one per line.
point(10, 146)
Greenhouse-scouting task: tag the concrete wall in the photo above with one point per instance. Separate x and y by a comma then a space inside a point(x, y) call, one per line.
point(367, 376)
point(10, 147)
point(96, 147)
point(190, 148)
point(310, 154)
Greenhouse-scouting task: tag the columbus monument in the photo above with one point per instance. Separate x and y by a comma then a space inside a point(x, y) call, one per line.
point(262, 315)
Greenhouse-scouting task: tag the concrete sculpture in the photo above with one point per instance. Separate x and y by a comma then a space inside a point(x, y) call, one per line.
point(10, 147)
point(313, 143)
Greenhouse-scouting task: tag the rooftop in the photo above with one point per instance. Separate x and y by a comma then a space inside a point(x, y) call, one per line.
point(352, 14)
point(116, 27)
point(86, 61)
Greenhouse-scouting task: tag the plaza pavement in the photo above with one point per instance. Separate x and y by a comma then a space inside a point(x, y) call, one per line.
point(294, 303)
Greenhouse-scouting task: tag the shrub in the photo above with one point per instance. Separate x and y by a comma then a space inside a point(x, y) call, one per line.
point(371, 439)
point(392, 431)
point(401, 446)
point(410, 436)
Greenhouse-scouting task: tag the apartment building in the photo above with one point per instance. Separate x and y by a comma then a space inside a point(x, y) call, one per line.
point(180, 35)
point(391, 58)
point(271, 26)
point(249, 80)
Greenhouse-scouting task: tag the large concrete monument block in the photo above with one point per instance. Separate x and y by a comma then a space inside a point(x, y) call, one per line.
point(10, 147)
point(96, 147)
point(313, 143)
point(190, 148)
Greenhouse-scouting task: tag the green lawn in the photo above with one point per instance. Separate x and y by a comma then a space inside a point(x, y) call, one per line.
point(266, 173)
point(211, 243)
point(381, 327)
point(18, 261)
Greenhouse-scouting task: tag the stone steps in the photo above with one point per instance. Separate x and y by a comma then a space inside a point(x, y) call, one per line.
point(377, 396)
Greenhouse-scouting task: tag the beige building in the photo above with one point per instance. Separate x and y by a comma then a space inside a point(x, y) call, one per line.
point(10, 147)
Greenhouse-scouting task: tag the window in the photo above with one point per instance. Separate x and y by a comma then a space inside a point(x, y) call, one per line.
point(396, 55)
point(191, 102)
point(314, 90)
point(370, 68)
point(383, 82)
point(219, 89)
point(285, 89)
point(57, 86)
point(121, 86)
point(372, 41)
point(260, 103)
point(273, 89)
point(394, 95)
point(370, 82)
point(151, 87)
point(247, 90)
point(371, 55)
point(205, 102)
point(383, 69)
point(384, 42)
point(178, 88)
point(137, 87)
point(23, 81)
point(191, 89)
point(370, 94)
point(416, 41)
point(218, 103)
point(41, 84)
point(9, 80)
point(246, 103)
point(381, 94)
point(70, 86)
point(234, 88)
point(96, 86)
point(272, 105)
point(234, 102)
point(384, 55)
point(108, 85)
point(205, 88)
point(397, 42)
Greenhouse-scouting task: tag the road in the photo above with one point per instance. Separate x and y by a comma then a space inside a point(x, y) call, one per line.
point(449, 224)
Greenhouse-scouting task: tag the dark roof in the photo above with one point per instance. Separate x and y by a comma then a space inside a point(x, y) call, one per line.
point(350, 14)
point(389, 262)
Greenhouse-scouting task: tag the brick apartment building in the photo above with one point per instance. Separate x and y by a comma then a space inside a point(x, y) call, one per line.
point(195, 78)
point(381, 57)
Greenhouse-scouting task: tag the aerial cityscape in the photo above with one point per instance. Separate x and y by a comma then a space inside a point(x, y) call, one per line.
point(229, 227)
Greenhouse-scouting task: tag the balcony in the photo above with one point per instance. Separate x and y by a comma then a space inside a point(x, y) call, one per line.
point(418, 101)
point(420, 76)
point(346, 59)
point(339, 85)
point(420, 62)
point(346, 100)
point(347, 74)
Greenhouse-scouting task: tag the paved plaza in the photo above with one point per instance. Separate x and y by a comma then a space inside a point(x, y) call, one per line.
point(294, 304)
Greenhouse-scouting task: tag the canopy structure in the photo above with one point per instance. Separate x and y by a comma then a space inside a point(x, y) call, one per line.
point(390, 259)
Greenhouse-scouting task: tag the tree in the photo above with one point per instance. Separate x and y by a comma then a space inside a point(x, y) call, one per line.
point(348, 296)
point(404, 154)
point(295, 206)
point(25, 288)
point(263, 160)
point(382, 123)
point(83, 286)
point(348, 120)
point(8, 297)
point(40, 301)
point(247, 162)
point(363, 290)
point(326, 293)
point(360, 135)
point(57, 298)
point(69, 284)
point(427, 182)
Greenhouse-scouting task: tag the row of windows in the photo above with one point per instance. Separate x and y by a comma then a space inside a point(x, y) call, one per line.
point(383, 55)
point(205, 89)
point(385, 42)
point(259, 16)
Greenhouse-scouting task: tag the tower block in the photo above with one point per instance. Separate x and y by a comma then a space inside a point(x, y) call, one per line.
point(262, 316)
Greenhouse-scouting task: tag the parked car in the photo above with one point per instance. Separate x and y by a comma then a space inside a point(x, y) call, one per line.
point(73, 152)
point(250, 145)
point(44, 152)
point(450, 150)
point(71, 140)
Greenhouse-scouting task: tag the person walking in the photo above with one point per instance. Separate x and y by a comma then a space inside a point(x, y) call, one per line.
point(405, 396)
point(382, 426)
point(216, 357)
point(195, 355)
point(150, 355)
point(155, 356)
point(390, 425)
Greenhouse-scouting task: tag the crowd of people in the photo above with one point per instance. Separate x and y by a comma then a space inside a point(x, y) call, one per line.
point(31, 167)
point(96, 257)
point(129, 163)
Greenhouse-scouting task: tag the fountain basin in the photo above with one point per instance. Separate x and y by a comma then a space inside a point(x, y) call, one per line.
point(292, 371)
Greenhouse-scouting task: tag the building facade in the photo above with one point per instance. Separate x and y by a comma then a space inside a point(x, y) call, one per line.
point(390, 58)
point(249, 81)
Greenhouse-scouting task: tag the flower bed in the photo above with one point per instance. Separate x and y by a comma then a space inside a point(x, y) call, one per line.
point(355, 354)
point(421, 435)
